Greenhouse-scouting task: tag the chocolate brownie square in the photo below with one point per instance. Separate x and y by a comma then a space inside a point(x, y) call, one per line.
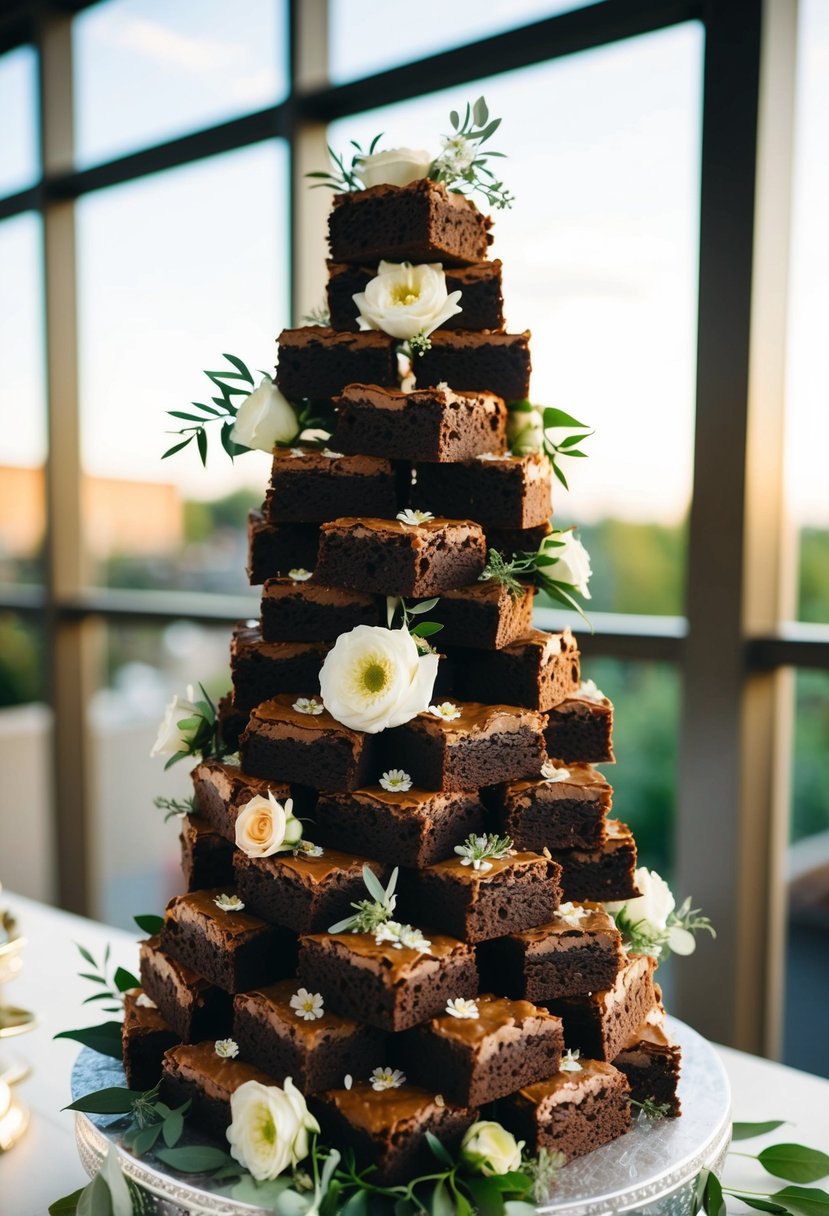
point(222, 789)
point(192, 1006)
point(599, 1024)
point(511, 541)
point(206, 857)
point(485, 1056)
point(573, 1112)
point(394, 558)
point(472, 362)
point(308, 747)
point(433, 424)
point(277, 548)
point(537, 670)
point(505, 895)
point(482, 304)
point(304, 893)
point(261, 670)
point(564, 810)
point(581, 728)
point(411, 827)
point(298, 610)
point(467, 746)
point(232, 949)
point(232, 721)
point(420, 222)
point(603, 873)
point(651, 1062)
point(312, 485)
point(317, 362)
point(485, 615)
point(502, 491)
point(383, 983)
point(196, 1073)
point(317, 1050)
point(578, 950)
point(145, 1036)
point(387, 1129)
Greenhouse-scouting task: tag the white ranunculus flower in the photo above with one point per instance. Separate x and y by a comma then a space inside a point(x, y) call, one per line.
point(264, 826)
point(403, 300)
point(171, 737)
point(649, 911)
point(374, 678)
point(491, 1148)
point(394, 167)
point(265, 418)
point(269, 1128)
point(572, 561)
point(525, 431)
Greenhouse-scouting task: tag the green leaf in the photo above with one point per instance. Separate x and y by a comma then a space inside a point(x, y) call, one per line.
point(67, 1206)
point(760, 1205)
point(560, 475)
point(803, 1201)
point(94, 979)
point(113, 1100)
point(240, 367)
point(454, 119)
point(172, 1128)
point(95, 1199)
point(150, 923)
point(193, 1158)
point(488, 1198)
point(794, 1162)
point(427, 629)
point(423, 606)
point(513, 1180)
point(176, 447)
point(440, 1201)
point(97, 996)
point(480, 112)
point(712, 1200)
point(186, 417)
point(747, 1131)
point(124, 979)
point(356, 1205)
point(84, 953)
point(145, 1138)
point(554, 417)
point(201, 440)
point(439, 1150)
point(375, 888)
point(105, 1038)
point(462, 1205)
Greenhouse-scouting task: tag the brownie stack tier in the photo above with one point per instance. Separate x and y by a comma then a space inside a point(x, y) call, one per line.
point(485, 807)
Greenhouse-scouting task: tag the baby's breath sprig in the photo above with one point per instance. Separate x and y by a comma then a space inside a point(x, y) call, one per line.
point(343, 177)
point(462, 165)
point(369, 914)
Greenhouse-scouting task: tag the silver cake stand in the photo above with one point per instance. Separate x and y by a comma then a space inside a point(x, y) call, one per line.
point(650, 1171)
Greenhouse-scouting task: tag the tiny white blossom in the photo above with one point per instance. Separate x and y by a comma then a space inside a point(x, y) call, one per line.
point(145, 1002)
point(458, 154)
point(299, 574)
point(229, 903)
point(307, 1005)
point(387, 1078)
point(226, 1049)
point(305, 848)
point(440, 1100)
point(572, 914)
point(460, 1007)
point(348, 1080)
point(445, 710)
point(308, 705)
point(570, 1062)
point(396, 779)
point(476, 850)
point(402, 936)
point(552, 774)
point(413, 518)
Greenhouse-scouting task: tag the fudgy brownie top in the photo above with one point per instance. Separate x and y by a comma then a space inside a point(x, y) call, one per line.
point(395, 400)
point(499, 1021)
point(478, 720)
point(376, 1113)
point(187, 984)
point(277, 719)
point(139, 1016)
point(512, 865)
point(272, 1005)
point(547, 644)
point(580, 784)
point(313, 871)
point(229, 781)
point(565, 1087)
point(216, 1076)
point(225, 929)
point(310, 591)
point(396, 966)
point(471, 339)
point(323, 460)
point(582, 705)
point(487, 591)
point(414, 801)
point(418, 536)
point(561, 934)
point(310, 336)
point(247, 639)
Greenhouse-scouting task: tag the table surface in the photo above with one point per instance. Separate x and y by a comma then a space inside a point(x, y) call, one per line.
point(45, 1165)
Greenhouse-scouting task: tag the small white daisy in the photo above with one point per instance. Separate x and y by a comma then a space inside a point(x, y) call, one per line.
point(396, 779)
point(226, 1049)
point(445, 710)
point(387, 1078)
point(413, 518)
point(348, 1080)
point(461, 1007)
point(299, 574)
point(307, 1005)
point(229, 903)
point(145, 1002)
point(308, 705)
point(552, 774)
point(305, 848)
point(402, 936)
point(572, 914)
point(570, 1062)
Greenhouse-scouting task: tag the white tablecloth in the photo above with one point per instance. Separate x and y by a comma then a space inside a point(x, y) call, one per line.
point(45, 1166)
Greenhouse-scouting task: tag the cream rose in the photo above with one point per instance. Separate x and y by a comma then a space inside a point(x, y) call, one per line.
point(172, 737)
point(491, 1148)
point(572, 561)
point(264, 826)
point(525, 430)
point(650, 911)
point(394, 167)
point(403, 300)
point(269, 1128)
point(374, 678)
point(264, 419)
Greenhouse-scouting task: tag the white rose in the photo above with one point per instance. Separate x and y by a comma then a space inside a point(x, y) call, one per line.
point(650, 911)
point(264, 419)
point(572, 561)
point(171, 737)
point(525, 430)
point(491, 1148)
point(403, 300)
point(264, 826)
point(269, 1128)
point(395, 167)
point(374, 678)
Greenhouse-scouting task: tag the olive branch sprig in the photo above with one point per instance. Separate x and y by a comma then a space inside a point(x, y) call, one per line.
point(343, 177)
point(525, 437)
point(174, 808)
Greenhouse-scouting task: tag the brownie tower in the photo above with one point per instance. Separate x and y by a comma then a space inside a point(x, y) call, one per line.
point(478, 829)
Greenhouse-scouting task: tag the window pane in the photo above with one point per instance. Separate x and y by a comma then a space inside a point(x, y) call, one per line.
point(367, 36)
point(807, 421)
point(147, 70)
point(18, 124)
point(600, 262)
point(174, 270)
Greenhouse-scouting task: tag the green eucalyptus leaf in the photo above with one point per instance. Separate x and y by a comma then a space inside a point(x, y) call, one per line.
point(150, 923)
point(172, 1128)
point(145, 1138)
point(97, 996)
point(240, 366)
point(193, 1158)
point(427, 629)
point(462, 1205)
point(439, 1150)
point(84, 953)
point(105, 1038)
point(794, 1162)
point(124, 979)
point(423, 606)
point(712, 1200)
point(375, 888)
point(114, 1100)
point(67, 1206)
point(747, 1131)
point(803, 1201)
point(201, 440)
point(95, 1199)
point(176, 447)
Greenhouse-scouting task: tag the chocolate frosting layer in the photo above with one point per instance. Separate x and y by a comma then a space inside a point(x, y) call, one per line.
point(393, 399)
point(312, 592)
point(325, 461)
point(498, 1017)
point(454, 870)
point(277, 718)
point(477, 719)
point(198, 908)
point(214, 1075)
point(571, 1086)
point(377, 1112)
point(272, 1005)
point(361, 950)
